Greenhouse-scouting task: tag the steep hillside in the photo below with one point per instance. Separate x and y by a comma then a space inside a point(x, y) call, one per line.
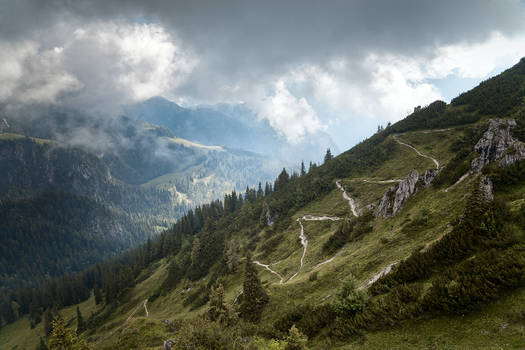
point(137, 176)
point(414, 238)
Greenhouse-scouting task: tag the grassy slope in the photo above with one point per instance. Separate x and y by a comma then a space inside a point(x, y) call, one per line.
point(490, 327)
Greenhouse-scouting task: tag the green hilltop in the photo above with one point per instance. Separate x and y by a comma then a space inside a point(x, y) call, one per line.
point(413, 238)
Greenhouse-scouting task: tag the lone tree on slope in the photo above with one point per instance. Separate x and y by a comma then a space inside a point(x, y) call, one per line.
point(254, 297)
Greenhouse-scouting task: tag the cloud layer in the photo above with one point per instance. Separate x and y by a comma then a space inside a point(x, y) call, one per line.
point(303, 65)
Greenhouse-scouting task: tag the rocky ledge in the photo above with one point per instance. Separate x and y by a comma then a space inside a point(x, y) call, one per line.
point(497, 143)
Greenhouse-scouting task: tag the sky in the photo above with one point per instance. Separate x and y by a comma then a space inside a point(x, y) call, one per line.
point(342, 67)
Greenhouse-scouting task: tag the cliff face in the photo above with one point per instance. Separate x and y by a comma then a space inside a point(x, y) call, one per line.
point(497, 143)
point(396, 196)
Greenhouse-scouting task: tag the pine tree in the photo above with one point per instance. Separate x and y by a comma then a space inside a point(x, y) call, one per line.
point(42, 345)
point(303, 169)
point(281, 180)
point(48, 319)
point(62, 338)
point(98, 294)
point(349, 300)
point(295, 339)
point(81, 325)
point(254, 297)
point(195, 250)
point(260, 192)
point(328, 156)
point(267, 189)
point(219, 311)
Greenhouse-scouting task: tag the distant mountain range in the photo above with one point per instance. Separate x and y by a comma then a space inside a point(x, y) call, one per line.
point(233, 126)
point(132, 178)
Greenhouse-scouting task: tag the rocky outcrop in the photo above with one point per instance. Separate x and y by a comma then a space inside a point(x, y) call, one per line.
point(268, 218)
point(429, 176)
point(486, 188)
point(396, 196)
point(497, 143)
point(168, 344)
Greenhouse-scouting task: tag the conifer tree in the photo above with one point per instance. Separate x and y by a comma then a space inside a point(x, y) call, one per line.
point(62, 338)
point(303, 169)
point(48, 319)
point(328, 156)
point(42, 345)
point(281, 180)
point(219, 311)
point(295, 339)
point(267, 189)
point(254, 297)
point(98, 294)
point(260, 193)
point(81, 325)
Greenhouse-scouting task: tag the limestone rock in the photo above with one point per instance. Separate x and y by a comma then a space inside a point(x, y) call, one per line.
point(396, 196)
point(497, 143)
point(487, 188)
point(429, 176)
point(269, 219)
point(168, 344)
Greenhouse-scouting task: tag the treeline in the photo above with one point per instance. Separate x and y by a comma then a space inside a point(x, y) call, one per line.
point(497, 96)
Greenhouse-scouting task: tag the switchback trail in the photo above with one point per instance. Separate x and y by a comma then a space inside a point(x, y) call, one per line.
point(382, 181)
point(351, 202)
point(396, 138)
point(304, 242)
point(146, 308)
point(267, 267)
point(377, 276)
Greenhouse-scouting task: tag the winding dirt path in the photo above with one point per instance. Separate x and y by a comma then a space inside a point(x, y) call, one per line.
point(346, 197)
point(328, 260)
point(146, 308)
point(459, 181)
point(304, 242)
point(267, 267)
point(382, 181)
point(378, 275)
point(396, 137)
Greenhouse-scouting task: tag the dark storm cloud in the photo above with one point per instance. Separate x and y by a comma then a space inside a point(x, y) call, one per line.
point(244, 48)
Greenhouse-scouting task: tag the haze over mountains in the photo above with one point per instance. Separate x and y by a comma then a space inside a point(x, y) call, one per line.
point(254, 175)
point(233, 126)
point(416, 230)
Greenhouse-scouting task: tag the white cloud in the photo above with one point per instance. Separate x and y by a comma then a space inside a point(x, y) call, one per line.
point(290, 115)
point(30, 74)
point(476, 60)
point(99, 66)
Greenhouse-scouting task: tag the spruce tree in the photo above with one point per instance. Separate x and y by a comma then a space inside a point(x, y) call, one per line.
point(260, 192)
point(267, 189)
point(254, 297)
point(303, 169)
point(48, 319)
point(98, 294)
point(81, 325)
point(295, 339)
point(328, 156)
point(42, 345)
point(219, 311)
point(62, 338)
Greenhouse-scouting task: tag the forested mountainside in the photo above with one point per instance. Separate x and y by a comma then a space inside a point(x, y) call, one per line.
point(414, 238)
point(113, 183)
point(233, 126)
